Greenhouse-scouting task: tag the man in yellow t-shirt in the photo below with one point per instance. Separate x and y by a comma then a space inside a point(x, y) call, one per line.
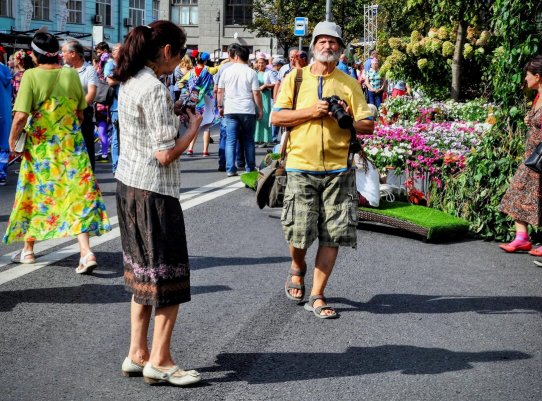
point(320, 199)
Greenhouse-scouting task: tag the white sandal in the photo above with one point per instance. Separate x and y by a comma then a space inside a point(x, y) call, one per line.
point(24, 257)
point(86, 266)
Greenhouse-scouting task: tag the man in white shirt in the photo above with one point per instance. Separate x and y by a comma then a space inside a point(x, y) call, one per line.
point(240, 102)
point(74, 56)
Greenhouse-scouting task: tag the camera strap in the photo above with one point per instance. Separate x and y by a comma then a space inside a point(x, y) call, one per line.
point(297, 85)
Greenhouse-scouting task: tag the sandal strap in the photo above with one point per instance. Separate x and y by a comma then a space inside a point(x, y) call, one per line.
point(319, 309)
point(293, 286)
point(313, 298)
point(83, 260)
point(300, 273)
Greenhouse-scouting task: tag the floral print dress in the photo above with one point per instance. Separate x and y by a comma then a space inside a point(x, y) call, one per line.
point(57, 194)
point(523, 200)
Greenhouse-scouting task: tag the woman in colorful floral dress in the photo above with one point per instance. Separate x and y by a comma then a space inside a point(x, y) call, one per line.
point(57, 194)
point(523, 200)
point(201, 80)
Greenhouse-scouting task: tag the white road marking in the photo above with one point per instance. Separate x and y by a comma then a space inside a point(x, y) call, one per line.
point(188, 200)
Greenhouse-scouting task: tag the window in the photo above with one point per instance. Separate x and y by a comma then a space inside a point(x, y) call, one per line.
point(185, 12)
point(75, 9)
point(155, 9)
point(41, 9)
point(238, 12)
point(5, 8)
point(103, 8)
point(137, 12)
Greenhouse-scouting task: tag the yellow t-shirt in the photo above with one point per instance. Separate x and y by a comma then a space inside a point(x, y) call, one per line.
point(320, 145)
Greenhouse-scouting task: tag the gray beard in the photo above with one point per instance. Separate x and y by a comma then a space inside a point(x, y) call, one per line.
point(326, 58)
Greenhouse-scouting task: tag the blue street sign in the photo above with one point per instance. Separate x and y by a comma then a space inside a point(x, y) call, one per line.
point(301, 26)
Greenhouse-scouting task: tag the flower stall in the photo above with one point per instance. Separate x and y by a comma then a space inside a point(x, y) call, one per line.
point(420, 141)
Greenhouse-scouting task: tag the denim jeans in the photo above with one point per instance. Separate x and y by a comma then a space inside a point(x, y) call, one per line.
point(275, 130)
point(222, 148)
point(375, 98)
point(114, 140)
point(240, 128)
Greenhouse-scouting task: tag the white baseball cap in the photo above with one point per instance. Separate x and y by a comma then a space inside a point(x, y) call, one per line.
point(329, 29)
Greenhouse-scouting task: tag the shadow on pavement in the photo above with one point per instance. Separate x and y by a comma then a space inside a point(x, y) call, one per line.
point(83, 294)
point(256, 368)
point(205, 262)
point(414, 303)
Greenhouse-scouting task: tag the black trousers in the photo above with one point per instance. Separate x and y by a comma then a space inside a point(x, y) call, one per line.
point(87, 129)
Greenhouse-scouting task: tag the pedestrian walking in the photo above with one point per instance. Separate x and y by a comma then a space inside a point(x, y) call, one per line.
point(200, 80)
point(240, 101)
point(523, 199)
point(262, 135)
point(156, 269)
point(5, 116)
point(22, 62)
point(273, 79)
point(114, 108)
point(376, 84)
point(222, 141)
point(74, 56)
point(57, 194)
point(320, 200)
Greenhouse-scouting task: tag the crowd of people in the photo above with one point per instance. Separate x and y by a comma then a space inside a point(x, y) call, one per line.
point(148, 100)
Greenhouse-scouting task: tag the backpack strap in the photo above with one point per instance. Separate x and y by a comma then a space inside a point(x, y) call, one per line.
point(297, 85)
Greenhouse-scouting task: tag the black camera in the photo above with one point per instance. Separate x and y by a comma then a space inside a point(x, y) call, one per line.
point(339, 113)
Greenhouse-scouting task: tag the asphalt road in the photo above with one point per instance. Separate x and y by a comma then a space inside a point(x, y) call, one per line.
point(418, 321)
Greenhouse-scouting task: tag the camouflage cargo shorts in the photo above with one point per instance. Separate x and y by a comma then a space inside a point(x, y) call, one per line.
point(320, 206)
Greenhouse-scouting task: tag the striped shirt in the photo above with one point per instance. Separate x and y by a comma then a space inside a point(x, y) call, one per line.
point(147, 124)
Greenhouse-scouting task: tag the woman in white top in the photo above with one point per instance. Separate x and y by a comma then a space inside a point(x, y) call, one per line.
point(151, 221)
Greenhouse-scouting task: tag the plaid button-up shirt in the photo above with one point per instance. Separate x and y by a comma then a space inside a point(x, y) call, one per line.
point(147, 124)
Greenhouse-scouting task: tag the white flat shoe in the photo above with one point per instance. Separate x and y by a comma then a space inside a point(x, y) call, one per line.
point(86, 266)
point(24, 257)
point(173, 376)
point(131, 368)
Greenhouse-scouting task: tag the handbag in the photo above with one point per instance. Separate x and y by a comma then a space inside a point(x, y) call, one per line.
point(21, 140)
point(105, 94)
point(534, 161)
point(272, 179)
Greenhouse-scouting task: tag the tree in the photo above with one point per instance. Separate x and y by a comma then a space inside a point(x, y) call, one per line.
point(275, 18)
point(463, 13)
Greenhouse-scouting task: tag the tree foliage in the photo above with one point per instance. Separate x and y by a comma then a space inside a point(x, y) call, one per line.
point(477, 192)
point(276, 18)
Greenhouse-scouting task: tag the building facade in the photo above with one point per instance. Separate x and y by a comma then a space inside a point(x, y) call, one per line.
point(85, 20)
point(211, 25)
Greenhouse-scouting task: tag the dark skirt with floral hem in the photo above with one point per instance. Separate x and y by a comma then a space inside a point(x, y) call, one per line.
point(156, 268)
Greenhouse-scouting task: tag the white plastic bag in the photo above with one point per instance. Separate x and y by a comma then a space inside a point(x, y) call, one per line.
point(368, 183)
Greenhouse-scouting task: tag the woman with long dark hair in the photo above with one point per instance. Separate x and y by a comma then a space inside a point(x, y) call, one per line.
point(523, 200)
point(151, 222)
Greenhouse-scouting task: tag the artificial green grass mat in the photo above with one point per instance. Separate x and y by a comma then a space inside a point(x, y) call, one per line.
point(250, 179)
point(439, 224)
